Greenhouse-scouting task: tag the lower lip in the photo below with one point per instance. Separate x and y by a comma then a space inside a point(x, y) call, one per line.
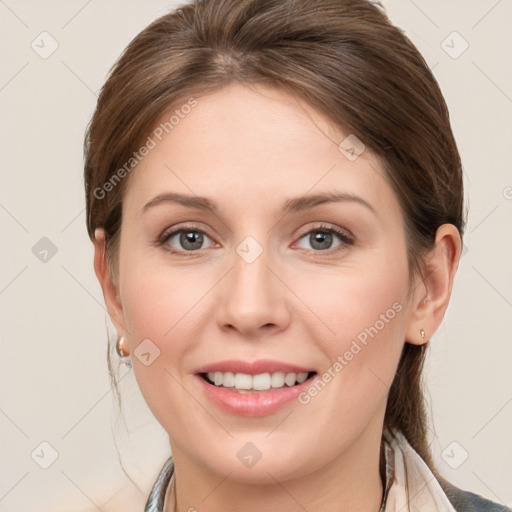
point(260, 403)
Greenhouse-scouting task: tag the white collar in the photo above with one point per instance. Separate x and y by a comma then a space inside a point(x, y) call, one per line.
point(414, 488)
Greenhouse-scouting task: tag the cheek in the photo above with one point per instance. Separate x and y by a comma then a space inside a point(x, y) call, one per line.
point(166, 306)
point(361, 333)
point(355, 303)
point(160, 302)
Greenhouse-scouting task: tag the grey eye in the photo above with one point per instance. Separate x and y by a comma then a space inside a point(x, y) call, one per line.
point(320, 240)
point(187, 239)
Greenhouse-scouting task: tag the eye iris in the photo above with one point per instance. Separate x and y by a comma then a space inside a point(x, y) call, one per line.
point(321, 238)
point(191, 237)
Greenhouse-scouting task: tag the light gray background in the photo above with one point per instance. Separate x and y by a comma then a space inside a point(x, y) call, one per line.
point(53, 377)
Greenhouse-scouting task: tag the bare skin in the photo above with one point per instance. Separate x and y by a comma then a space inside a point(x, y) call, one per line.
point(301, 301)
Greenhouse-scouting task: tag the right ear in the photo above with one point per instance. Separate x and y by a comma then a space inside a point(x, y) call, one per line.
point(110, 292)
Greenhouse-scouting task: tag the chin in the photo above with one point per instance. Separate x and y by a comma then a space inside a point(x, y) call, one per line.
point(247, 464)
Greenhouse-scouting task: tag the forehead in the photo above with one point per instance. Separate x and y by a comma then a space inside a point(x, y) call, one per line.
point(245, 146)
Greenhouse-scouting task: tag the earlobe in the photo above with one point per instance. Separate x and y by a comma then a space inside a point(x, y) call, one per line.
point(110, 292)
point(432, 296)
point(417, 338)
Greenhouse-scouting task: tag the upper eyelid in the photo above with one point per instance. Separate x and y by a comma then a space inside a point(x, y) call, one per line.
point(327, 226)
point(192, 227)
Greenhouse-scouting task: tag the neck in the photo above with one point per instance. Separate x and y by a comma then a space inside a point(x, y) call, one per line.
point(352, 481)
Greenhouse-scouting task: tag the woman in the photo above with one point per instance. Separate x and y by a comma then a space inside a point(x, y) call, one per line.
point(275, 198)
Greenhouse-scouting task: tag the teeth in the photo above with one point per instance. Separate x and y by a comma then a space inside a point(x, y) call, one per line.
point(277, 380)
point(260, 382)
point(242, 381)
point(301, 377)
point(228, 380)
point(290, 379)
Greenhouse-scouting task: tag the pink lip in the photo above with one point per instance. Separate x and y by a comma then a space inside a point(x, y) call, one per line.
point(260, 403)
point(252, 368)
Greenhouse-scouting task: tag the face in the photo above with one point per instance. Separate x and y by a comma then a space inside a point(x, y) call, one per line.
point(231, 271)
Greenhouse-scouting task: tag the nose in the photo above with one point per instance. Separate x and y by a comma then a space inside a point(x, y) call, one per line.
point(252, 299)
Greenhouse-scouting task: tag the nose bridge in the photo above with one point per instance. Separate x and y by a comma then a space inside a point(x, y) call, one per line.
point(252, 296)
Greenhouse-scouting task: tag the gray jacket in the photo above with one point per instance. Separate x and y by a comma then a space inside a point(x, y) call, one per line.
point(465, 501)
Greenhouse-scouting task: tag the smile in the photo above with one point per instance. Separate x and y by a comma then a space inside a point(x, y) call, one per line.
point(252, 389)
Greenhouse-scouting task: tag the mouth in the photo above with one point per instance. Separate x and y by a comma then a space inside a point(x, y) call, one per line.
point(245, 383)
point(252, 389)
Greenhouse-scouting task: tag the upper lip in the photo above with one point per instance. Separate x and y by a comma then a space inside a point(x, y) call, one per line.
point(252, 367)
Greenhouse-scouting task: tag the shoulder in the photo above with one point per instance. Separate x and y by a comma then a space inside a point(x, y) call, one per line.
point(465, 501)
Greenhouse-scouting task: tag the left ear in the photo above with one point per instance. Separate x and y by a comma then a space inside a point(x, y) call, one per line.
point(432, 295)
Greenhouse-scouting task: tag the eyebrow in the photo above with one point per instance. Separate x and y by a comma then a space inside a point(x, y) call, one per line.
point(291, 205)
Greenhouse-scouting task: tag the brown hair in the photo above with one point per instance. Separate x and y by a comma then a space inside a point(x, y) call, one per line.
point(345, 59)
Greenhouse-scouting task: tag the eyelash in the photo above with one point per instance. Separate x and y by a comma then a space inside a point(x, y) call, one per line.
point(344, 238)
